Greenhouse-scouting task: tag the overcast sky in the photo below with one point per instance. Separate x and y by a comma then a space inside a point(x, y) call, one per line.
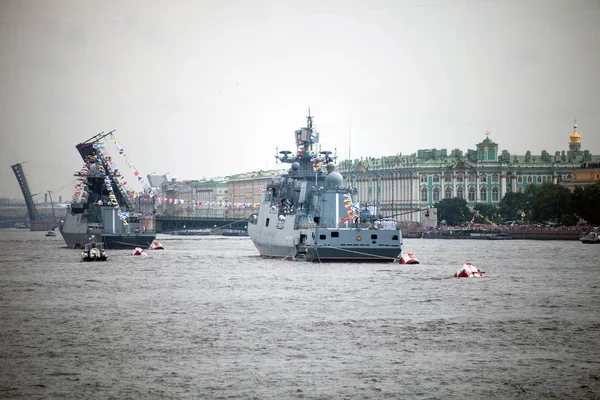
point(210, 88)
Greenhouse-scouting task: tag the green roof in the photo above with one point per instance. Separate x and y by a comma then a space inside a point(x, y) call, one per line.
point(487, 141)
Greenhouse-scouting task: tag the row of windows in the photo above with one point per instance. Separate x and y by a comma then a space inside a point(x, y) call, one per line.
point(460, 178)
point(539, 178)
point(460, 193)
point(590, 164)
point(530, 179)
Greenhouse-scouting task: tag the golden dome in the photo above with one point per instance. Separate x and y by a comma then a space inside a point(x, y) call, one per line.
point(575, 138)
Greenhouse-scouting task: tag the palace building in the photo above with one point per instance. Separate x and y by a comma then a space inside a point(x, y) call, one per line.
point(404, 186)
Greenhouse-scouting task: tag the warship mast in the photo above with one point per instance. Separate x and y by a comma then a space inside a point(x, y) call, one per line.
point(86, 149)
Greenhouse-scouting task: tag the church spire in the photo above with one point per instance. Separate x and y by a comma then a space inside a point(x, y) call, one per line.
point(575, 138)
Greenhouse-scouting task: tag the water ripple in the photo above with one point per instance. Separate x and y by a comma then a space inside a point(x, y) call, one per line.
point(207, 318)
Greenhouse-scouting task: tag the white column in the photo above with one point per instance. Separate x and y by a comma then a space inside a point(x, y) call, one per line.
point(453, 185)
point(477, 187)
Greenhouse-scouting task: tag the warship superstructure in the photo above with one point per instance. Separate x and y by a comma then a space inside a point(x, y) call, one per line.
point(308, 213)
point(101, 206)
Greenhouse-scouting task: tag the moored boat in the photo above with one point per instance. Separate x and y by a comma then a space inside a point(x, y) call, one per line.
point(500, 236)
point(102, 205)
point(308, 213)
point(591, 237)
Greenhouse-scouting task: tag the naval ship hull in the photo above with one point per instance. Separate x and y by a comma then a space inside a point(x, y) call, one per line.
point(271, 244)
point(127, 241)
point(351, 254)
point(308, 213)
point(283, 240)
point(76, 229)
point(328, 253)
point(110, 241)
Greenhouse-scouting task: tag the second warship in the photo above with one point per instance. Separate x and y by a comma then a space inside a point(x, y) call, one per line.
point(102, 207)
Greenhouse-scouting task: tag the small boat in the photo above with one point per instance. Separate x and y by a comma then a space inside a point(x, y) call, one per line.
point(408, 258)
point(93, 251)
point(590, 238)
point(500, 236)
point(138, 251)
point(468, 270)
point(156, 246)
point(50, 233)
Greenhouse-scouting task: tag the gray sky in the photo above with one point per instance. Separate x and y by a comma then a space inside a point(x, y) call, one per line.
point(210, 88)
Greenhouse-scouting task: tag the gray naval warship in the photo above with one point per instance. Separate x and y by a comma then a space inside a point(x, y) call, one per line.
point(103, 209)
point(309, 214)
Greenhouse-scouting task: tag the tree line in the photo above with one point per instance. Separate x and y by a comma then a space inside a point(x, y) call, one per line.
point(546, 203)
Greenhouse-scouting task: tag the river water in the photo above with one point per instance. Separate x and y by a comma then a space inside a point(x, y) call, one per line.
point(208, 318)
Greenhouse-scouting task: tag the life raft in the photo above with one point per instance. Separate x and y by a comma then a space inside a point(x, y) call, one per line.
point(138, 251)
point(156, 246)
point(408, 258)
point(468, 270)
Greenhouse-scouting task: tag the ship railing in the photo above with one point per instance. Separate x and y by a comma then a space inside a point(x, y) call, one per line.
point(306, 225)
point(313, 225)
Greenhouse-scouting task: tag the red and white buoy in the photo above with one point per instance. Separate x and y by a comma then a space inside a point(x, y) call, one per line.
point(468, 270)
point(138, 251)
point(408, 258)
point(156, 246)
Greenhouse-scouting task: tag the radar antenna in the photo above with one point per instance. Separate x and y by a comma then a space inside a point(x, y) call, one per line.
point(309, 119)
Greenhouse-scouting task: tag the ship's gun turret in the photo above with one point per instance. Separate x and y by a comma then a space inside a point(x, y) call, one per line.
point(285, 157)
point(327, 157)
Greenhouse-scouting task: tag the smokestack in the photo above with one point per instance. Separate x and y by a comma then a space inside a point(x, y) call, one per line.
point(45, 197)
point(60, 199)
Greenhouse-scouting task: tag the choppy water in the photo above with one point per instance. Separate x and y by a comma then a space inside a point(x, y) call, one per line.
point(207, 318)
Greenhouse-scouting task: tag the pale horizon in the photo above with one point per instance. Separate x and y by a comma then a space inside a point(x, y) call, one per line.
point(211, 89)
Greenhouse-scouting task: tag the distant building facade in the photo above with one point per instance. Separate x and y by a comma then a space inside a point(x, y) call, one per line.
point(192, 198)
point(402, 186)
point(235, 196)
point(588, 174)
point(246, 190)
